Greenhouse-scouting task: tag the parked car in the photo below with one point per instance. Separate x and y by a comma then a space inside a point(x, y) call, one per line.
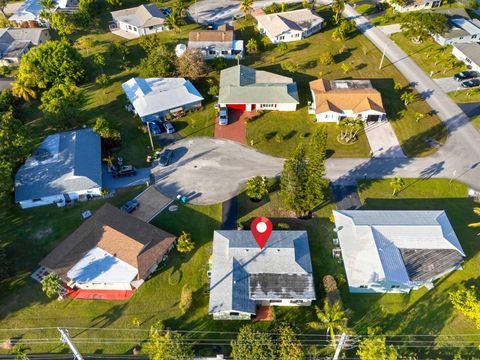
point(223, 116)
point(380, 7)
point(211, 26)
point(464, 75)
point(130, 206)
point(167, 11)
point(166, 157)
point(125, 170)
point(168, 127)
point(471, 83)
point(154, 128)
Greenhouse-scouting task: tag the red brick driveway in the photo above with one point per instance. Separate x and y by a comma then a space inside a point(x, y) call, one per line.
point(236, 128)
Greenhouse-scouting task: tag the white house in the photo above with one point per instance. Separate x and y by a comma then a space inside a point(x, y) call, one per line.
point(460, 30)
point(111, 251)
point(248, 89)
point(216, 43)
point(469, 54)
point(154, 98)
point(15, 42)
point(65, 167)
point(243, 276)
point(28, 14)
point(290, 25)
point(334, 100)
point(396, 251)
point(415, 5)
point(138, 21)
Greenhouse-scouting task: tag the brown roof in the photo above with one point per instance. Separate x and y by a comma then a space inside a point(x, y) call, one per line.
point(139, 244)
point(211, 35)
point(357, 99)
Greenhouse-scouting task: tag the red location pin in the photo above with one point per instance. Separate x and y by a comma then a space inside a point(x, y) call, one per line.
point(261, 229)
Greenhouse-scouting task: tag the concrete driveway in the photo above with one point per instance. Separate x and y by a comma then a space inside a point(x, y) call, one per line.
point(448, 84)
point(152, 202)
point(383, 141)
point(209, 171)
point(142, 176)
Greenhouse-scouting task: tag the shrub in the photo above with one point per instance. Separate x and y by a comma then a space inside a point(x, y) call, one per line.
point(331, 290)
point(257, 188)
point(326, 58)
point(185, 243)
point(283, 226)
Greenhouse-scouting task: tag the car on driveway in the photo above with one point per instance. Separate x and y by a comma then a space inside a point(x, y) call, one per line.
point(166, 157)
point(223, 116)
point(125, 170)
point(130, 206)
point(464, 75)
point(154, 128)
point(168, 127)
point(471, 83)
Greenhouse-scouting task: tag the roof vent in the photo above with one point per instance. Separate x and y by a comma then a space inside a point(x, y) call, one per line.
point(278, 250)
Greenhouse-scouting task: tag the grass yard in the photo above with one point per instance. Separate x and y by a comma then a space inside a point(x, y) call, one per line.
point(465, 96)
point(363, 58)
point(431, 57)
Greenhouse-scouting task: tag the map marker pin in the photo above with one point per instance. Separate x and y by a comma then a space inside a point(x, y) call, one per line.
point(261, 229)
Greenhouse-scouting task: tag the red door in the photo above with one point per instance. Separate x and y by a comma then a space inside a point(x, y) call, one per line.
point(242, 107)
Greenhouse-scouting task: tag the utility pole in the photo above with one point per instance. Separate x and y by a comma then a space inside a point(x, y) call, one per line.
point(150, 136)
point(341, 343)
point(65, 339)
point(383, 57)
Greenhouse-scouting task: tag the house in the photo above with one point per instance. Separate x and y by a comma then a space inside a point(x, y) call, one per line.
point(396, 251)
point(140, 20)
point(469, 54)
point(334, 100)
point(15, 42)
point(65, 167)
point(290, 25)
point(414, 5)
point(243, 276)
point(216, 43)
point(244, 88)
point(460, 28)
point(155, 98)
point(28, 14)
point(111, 251)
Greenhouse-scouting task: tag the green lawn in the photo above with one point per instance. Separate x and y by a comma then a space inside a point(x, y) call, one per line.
point(465, 96)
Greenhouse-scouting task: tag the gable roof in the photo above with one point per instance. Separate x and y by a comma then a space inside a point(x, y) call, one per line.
point(13, 41)
point(403, 247)
point(243, 85)
point(226, 36)
point(118, 234)
point(340, 95)
point(140, 16)
point(64, 162)
point(470, 50)
point(155, 95)
point(243, 273)
point(278, 23)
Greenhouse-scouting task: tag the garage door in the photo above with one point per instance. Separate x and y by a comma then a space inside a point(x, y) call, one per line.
point(237, 106)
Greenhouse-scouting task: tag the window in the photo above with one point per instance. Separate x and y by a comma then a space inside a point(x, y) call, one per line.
point(212, 52)
point(150, 28)
point(134, 29)
point(474, 36)
point(129, 27)
point(224, 52)
point(363, 286)
point(275, 301)
point(395, 286)
point(461, 37)
point(36, 200)
point(296, 301)
point(234, 313)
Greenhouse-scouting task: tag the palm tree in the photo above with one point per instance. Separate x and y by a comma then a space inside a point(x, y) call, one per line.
point(246, 6)
point(333, 318)
point(476, 211)
point(172, 20)
point(48, 6)
point(181, 8)
point(19, 89)
point(397, 184)
point(407, 98)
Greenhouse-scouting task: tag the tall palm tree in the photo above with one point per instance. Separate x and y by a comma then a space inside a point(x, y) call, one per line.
point(48, 6)
point(397, 184)
point(172, 20)
point(246, 6)
point(19, 89)
point(476, 211)
point(333, 318)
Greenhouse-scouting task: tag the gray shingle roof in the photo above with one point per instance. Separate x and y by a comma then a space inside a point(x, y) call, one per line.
point(243, 85)
point(242, 272)
point(14, 41)
point(64, 162)
point(140, 16)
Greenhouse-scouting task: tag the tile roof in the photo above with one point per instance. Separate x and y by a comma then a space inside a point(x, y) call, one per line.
point(278, 23)
point(140, 16)
point(340, 95)
point(65, 162)
point(119, 234)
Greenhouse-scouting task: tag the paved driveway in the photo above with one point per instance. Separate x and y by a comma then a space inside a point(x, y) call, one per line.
point(390, 29)
point(448, 84)
point(383, 141)
point(210, 171)
point(142, 176)
point(152, 202)
point(236, 129)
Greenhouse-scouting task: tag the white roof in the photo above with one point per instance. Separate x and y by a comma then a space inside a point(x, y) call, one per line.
point(470, 26)
point(155, 95)
point(372, 242)
point(100, 267)
point(299, 20)
point(29, 10)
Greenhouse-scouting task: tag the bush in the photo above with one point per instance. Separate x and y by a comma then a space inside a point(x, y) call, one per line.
point(185, 243)
point(331, 290)
point(185, 299)
point(283, 226)
point(326, 58)
point(219, 63)
point(257, 188)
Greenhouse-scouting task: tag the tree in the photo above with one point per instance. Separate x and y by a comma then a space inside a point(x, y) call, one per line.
point(326, 58)
point(185, 299)
point(289, 66)
point(192, 65)
point(282, 48)
point(407, 97)
point(317, 154)
point(19, 89)
point(173, 20)
point(476, 211)
point(333, 318)
point(88, 6)
point(466, 301)
point(102, 79)
point(3, 4)
point(99, 60)
point(181, 7)
point(167, 345)
point(400, 2)
point(289, 347)
point(419, 116)
point(150, 42)
point(397, 183)
point(252, 344)
point(397, 86)
point(344, 28)
point(48, 7)
point(161, 62)
point(20, 351)
point(346, 67)
point(338, 6)
point(419, 25)
point(185, 243)
point(349, 129)
point(293, 183)
point(114, 3)
point(212, 87)
point(376, 348)
point(252, 46)
point(107, 132)
point(62, 23)
point(50, 63)
point(272, 8)
point(52, 285)
point(61, 105)
point(246, 6)
point(307, 4)
point(257, 188)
